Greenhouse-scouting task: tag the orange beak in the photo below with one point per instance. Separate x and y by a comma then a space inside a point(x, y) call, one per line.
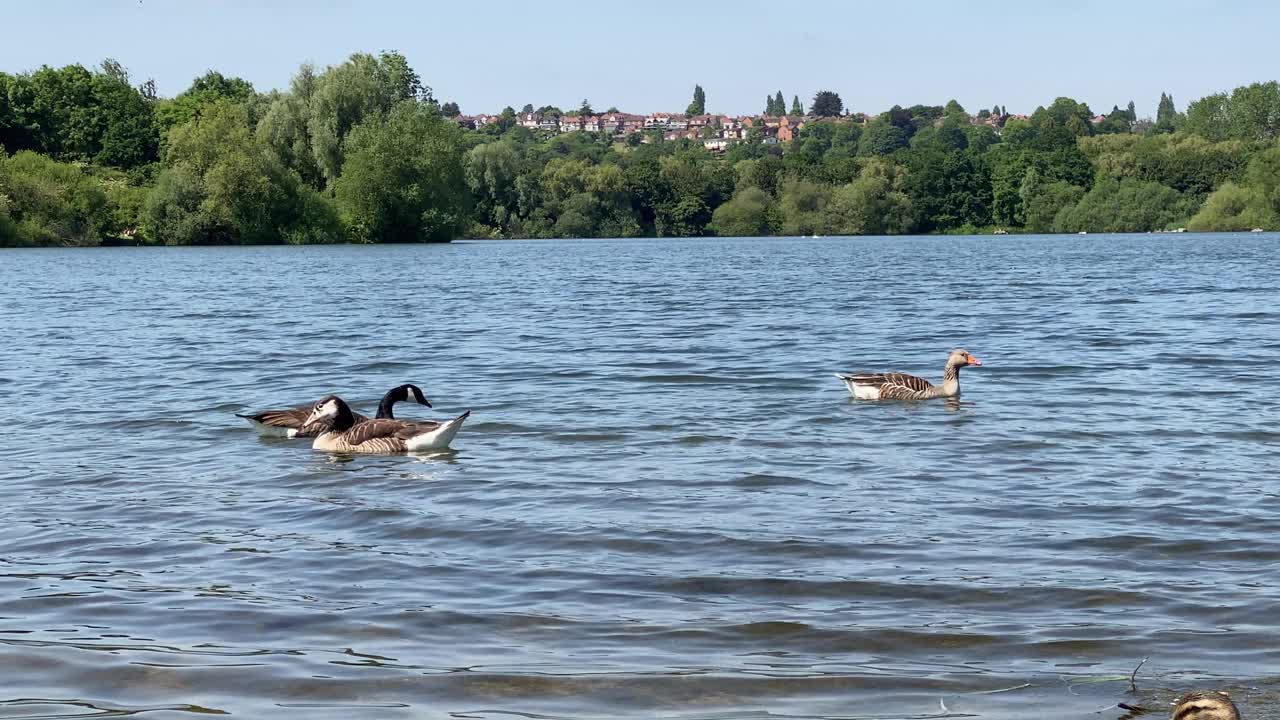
point(974, 361)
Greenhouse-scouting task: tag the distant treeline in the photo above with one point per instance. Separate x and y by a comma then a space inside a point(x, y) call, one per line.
point(362, 152)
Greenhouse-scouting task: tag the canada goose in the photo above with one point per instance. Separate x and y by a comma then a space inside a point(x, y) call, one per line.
point(336, 430)
point(900, 386)
point(288, 423)
point(1205, 706)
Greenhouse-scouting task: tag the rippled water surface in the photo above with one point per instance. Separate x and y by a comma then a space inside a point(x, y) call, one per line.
point(664, 505)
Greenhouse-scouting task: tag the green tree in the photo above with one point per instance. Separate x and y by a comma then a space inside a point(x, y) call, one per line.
point(491, 170)
point(881, 137)
point(1232, 208)
point(585, 108)
point(762, 173)
point(826, 104)
point(208, 89)
point(1166, 115)
point(222, 186)
point(948, 190)
point(746, 214)
point(72, 114)
point(285, 126)
point(403, 179)
point(779, 104)
point(803, 206)
point(699, 104)
point(796, 107)
point(874, 204)
point(1043, 201)
point(450, 110)
point(45, 202)
point(1254, 202)
point(346, 95)
point(1127, 205)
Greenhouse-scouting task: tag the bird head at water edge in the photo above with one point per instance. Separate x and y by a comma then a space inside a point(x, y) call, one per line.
point(329, 413)
point(404, 391)
point(962, 358)
point(1205, 706)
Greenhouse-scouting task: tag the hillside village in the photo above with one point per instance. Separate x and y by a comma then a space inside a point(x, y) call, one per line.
point(716, 132)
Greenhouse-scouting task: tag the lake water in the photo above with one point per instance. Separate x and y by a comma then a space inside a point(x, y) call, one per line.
point(664, 505)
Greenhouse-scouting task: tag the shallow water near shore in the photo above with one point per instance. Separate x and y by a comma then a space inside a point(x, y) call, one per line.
point(663, 505)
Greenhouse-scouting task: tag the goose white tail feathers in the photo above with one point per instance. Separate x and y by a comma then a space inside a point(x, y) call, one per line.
point(867, 389)
point(439, 438)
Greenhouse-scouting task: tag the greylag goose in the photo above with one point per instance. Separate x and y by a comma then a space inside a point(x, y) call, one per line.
point(1205, 706)
point(900, 386)
point(288, 423)
point(336, 430)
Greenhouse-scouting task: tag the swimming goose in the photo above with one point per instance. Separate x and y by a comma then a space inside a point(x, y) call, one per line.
point(900, 386)
point(288, 423)
point(1205, 706)
point(336, 430)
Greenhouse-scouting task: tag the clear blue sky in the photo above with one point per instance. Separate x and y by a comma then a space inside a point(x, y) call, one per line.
point(486, 54)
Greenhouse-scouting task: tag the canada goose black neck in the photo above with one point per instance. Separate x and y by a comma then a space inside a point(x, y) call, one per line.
point(400, 394)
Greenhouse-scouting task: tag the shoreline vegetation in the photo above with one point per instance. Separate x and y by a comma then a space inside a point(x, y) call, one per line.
point(362, 152)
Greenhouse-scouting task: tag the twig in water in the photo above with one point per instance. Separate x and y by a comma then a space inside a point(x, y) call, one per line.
point(1133, 677)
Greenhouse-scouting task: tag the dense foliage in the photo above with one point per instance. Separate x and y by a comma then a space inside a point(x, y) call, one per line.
point(361, 152)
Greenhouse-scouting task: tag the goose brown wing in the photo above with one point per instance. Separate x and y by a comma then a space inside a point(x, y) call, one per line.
point(382, 435)
point(900, 386)
point(290, 419)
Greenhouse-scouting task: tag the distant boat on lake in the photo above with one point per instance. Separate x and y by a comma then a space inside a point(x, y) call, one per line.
point(1257, 230)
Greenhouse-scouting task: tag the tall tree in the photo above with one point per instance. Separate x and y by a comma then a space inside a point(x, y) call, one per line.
point(403, 180)
point(450, 110)
point(768, 104)
point(779, 104)
point(1165, 114)
point(796, 107)
point(1132, 112)
point(699, 104)
point(528, 108)
point(345, 95)
point(205, 90)
point(827, 104)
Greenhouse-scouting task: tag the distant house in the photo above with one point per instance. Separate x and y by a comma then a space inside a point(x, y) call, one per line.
point(570, 123)
point(466, 121)
point(658, 121)
point(716, 144)
point(549, 123)
point(698, 122)
point(530, 120)
point(612, 123)
point(678, 122)
point(788, 127)
point(591, 123)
